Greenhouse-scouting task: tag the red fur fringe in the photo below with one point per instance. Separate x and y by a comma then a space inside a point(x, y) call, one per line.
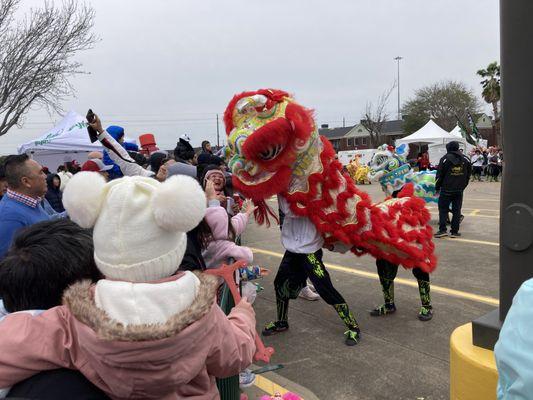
point(301, 119)
point(277, 184)
point(262, 212)
point(416, 245)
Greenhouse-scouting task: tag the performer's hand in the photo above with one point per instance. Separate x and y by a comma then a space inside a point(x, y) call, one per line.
point(97, 124)
point(248, 207)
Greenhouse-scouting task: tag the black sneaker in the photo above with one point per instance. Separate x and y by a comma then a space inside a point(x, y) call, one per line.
point(352, 337)
point(440, 234)
point(383, 309)
point(425, 314)
point(455, 234)
point(275, 327)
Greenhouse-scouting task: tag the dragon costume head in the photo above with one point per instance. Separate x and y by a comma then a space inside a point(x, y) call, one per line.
point(275, 149)
point(389, 166)
point(272, 141)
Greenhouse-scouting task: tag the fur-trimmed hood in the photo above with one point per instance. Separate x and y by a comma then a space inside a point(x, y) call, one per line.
point(148, 361)
point(79, 298)
point(175, 359)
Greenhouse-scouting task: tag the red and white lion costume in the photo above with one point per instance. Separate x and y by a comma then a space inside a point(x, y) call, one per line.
point(275, 149)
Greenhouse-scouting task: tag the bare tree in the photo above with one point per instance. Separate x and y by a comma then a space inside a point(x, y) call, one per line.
point(36, 56)
point(375, 117)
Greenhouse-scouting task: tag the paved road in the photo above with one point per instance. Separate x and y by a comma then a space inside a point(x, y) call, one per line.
point(399, 357)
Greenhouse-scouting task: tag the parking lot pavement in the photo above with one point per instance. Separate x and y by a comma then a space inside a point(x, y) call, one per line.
point(399, 356)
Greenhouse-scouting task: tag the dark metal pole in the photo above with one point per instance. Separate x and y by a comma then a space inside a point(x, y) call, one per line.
point(516, 208)
point(516, 224)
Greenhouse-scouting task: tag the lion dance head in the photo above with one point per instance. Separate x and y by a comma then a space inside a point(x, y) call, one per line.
point(268, 134)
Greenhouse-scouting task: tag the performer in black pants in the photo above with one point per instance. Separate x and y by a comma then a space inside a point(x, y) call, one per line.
point(387, 273)
point(302, 260)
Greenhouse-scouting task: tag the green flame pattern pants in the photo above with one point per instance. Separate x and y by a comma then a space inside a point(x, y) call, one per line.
point(291, 278)
point(387, 272)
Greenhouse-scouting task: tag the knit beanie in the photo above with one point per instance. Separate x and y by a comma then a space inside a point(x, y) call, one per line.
point(116, 131)
point(211, 172)
point(139, 223)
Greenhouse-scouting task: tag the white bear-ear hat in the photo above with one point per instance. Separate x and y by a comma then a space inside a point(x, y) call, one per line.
point(139, 223)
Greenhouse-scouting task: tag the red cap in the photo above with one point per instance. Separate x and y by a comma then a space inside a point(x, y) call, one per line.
point(95, 165)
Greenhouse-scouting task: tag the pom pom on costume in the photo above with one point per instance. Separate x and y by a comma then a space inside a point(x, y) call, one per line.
point(276, 150)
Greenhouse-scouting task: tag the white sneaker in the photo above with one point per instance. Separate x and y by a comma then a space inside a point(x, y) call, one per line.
point(308, 294)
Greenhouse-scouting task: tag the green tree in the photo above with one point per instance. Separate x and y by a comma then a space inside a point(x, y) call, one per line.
point(444, 102)
point(491, 87)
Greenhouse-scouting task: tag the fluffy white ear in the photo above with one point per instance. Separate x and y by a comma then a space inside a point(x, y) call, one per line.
point(83, 198)
point(178, 204)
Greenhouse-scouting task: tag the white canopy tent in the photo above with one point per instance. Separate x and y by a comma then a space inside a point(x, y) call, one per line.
point(67, 141)
point(457, 132)
point(429, 134)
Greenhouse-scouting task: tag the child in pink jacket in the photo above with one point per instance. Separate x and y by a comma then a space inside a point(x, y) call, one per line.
point(144, 332)
point(220, 244)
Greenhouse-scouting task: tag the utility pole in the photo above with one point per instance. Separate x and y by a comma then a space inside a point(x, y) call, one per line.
point(516, 209)
point(398, 60)
point(343, 122)
point(218, 135)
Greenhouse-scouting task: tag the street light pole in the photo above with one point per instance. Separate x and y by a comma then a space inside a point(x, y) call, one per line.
point(398, 60)
point(218, 136)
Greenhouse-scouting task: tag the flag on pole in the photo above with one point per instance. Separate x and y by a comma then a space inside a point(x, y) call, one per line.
point(465, 133)
point(473, 127)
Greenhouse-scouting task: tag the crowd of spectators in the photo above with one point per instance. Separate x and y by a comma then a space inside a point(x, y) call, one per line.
point(92, 235)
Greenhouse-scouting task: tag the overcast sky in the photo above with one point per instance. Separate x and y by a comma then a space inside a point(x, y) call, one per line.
point(168, 67)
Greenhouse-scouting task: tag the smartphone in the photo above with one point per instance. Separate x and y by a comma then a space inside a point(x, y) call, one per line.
point(93, 135)
point(229, 205)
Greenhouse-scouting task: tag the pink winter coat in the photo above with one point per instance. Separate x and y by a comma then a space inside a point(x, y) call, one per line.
point(220, 248)
point(175, 360)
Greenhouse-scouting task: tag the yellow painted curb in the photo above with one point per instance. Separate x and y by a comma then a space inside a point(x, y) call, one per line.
point(473, 373)
point(266, 385)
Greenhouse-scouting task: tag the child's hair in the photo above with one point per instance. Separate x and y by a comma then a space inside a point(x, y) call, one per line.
point(205, 235)
point(43, 261)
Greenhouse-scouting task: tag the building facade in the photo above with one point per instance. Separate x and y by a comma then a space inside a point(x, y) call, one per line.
point(357, 137)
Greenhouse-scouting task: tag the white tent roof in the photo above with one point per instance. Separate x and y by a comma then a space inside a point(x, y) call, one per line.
point(69, 135)
point(456, 132)
point(429, 133)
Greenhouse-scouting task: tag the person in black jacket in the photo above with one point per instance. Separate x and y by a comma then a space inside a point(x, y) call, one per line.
point(53, 194)
point(453, 175)
point(184, 152)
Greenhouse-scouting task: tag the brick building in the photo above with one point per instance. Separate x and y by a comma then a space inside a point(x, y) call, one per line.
point(357, 137)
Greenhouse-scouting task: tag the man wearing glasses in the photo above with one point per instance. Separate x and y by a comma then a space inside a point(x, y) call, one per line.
point(21, 205)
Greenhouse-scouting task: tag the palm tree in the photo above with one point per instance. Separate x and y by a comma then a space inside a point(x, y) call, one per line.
point(491, 86)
